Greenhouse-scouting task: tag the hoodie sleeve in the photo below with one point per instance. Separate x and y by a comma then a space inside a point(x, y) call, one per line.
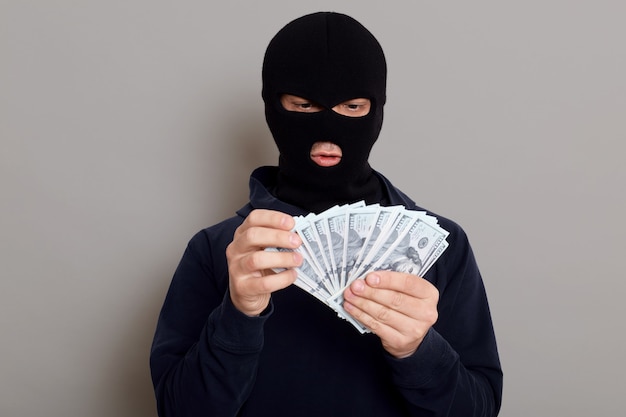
point(211, 374)
point(456, 370)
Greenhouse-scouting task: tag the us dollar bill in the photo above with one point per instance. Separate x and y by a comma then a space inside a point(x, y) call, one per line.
point(313, 250)
point(358, 226)
point(381, 223)
point(347, 242)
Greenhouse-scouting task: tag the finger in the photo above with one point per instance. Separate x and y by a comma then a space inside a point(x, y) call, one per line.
point(382, 321)
point(264, 260)
point(399, 334)
point(265, 220)
point(266, 284)
point(369, 299)
point(264, 228)
point(403, 283)
point(373, 302)
point(269, 218)
point(258, 238)
point(252, 293)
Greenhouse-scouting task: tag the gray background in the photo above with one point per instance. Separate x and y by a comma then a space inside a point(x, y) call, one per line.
point(126, 126)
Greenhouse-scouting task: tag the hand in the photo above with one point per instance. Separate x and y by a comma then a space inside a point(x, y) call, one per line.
point(400, 308)
point(251, 279)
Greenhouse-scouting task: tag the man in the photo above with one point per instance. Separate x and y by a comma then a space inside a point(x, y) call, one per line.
point(235, 338)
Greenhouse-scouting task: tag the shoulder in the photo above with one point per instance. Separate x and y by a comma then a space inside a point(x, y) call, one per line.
point(397, 196)
point(458, 252)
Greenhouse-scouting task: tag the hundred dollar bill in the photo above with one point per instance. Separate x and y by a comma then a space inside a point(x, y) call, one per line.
point(384, 217)
point(400, 225)
point(336, 224)
point(308, 278)
point(415, 238)
point(336, 303)
point(314, 251)
point(320, 223)
point(347, 242)
point(433, 257)
point(358, 225)
point(414, 249)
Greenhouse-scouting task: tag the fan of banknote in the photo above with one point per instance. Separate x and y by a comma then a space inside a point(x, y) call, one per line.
point(347, 242)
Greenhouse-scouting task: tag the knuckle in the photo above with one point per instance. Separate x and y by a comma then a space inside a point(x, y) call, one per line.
point(251, 262)
point(254, 216)
point(409, 282)
point(435, 294)
point(357, 314)
point(364, 319)
point(432, 316)
point(373, 325)
point(290, 275)
point(230, 250)
point(415, 331)
point(383, 314)
point(264, 287)
point(236, 286)
point(397, 299)
point(250, 234)
point(428, 317)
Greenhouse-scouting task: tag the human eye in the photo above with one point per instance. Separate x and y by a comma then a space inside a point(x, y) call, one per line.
point(304, 105)
point(299, 104)
point(354, 108)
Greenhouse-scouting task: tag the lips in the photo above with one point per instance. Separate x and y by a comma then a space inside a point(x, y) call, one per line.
point(326, 160)
point(326, 154)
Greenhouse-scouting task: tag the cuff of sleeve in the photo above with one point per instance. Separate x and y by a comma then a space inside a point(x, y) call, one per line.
point(432, 362)
point(235, 331)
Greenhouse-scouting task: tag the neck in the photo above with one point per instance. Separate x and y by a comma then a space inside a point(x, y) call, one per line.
point(317, 194)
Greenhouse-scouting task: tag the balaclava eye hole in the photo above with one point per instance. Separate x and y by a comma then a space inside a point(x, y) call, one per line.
point(355, 107)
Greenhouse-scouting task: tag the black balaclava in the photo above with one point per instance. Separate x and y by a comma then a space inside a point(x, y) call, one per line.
point(327, 58)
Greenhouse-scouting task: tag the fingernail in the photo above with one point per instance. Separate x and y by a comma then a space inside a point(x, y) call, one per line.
point(373, 279)
point(295, 239)
point(297, 257)
point(286, 220)
point(358, 285)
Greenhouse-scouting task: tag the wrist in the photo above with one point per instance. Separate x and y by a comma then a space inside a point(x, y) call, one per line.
point(251, 308)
